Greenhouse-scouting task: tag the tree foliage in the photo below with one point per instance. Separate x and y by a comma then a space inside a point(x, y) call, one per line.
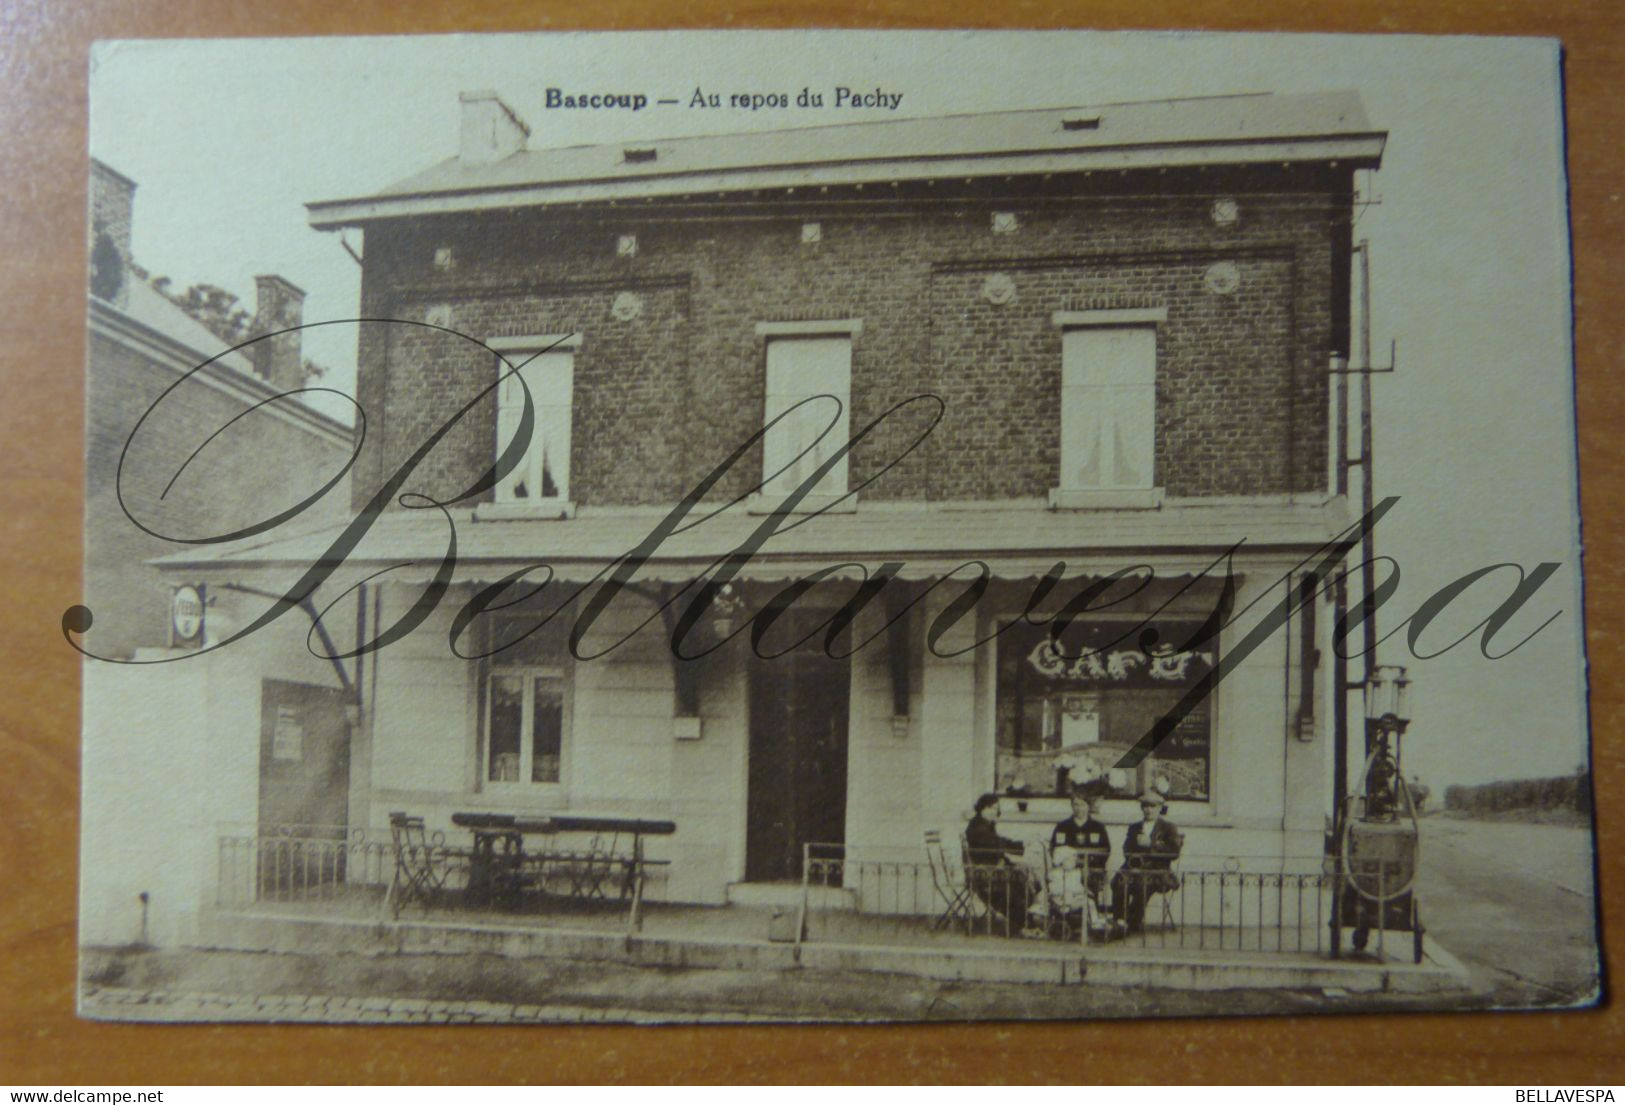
point(213, 306)
point(1560, 792)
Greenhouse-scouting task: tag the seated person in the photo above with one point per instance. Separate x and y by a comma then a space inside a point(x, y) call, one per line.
point(1084, 832)
point(1149, 851)
point(997, 876)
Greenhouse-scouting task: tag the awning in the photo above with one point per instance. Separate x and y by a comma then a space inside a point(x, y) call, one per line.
point(925, 541)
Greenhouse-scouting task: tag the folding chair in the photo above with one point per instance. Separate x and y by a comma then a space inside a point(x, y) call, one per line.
point(1167, 895)
point(955, 895)
point(589, 870)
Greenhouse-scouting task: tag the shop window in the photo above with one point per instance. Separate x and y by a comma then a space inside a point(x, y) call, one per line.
point(1068, 711)
point(809, 364)
point(527, 715)
point(547, 365)
point(1108, 407)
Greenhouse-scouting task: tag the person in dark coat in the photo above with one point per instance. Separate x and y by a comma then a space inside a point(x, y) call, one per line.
point(997, 876)
point(1149, 851)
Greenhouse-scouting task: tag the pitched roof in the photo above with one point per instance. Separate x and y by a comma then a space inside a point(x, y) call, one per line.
point(154, 325)
point(1219, 130)
point(156, 311)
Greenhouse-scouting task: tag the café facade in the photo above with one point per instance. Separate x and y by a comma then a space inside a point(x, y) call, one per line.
point(796, 488)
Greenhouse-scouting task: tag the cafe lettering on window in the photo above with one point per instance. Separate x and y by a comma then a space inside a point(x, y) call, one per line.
point(1069, 710)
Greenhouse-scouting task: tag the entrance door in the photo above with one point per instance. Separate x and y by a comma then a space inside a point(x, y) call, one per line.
point(304, 759)
point(798, 722)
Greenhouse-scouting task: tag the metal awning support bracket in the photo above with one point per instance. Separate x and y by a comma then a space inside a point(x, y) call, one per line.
point(305, 604)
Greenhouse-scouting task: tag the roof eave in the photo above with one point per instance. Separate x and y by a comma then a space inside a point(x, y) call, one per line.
point(227, 369)
point(1360, 151)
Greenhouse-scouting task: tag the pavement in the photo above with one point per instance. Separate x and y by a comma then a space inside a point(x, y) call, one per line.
point(689, 937)
point(1514, 902)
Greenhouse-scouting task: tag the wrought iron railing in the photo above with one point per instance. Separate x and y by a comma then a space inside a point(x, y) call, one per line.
point(1231, 910)
point(1173, 906)
point(331, 865)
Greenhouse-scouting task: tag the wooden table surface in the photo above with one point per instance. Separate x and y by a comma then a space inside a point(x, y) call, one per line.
point(43, 52)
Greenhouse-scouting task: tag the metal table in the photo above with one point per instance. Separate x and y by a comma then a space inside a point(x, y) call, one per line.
point(499, 862)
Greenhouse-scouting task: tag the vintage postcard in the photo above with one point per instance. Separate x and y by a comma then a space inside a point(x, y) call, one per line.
point(864, 526)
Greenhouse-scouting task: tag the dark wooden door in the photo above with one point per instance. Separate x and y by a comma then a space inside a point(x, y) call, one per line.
point(304, 759)
point(798, 732)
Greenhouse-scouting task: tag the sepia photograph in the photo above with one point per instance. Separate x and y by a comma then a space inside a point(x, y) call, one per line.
point(830, 526)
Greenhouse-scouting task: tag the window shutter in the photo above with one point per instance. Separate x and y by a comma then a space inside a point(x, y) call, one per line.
point(800, 369)
point(1108, 407)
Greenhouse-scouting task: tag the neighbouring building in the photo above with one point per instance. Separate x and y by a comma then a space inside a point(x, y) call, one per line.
point(143, 342)
point(1098, 337)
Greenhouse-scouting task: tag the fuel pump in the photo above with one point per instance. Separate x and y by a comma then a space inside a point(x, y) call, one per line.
point(1380, 847)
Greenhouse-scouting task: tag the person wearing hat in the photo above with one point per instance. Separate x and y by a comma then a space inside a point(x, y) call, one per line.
point(1149, 851)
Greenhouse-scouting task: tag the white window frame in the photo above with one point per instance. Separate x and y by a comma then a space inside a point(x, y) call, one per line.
point(835, 493)
point(530, 674)
point(1149, 496)
point(517, 351)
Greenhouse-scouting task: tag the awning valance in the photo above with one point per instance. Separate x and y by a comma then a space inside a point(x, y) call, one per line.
point(913, 541)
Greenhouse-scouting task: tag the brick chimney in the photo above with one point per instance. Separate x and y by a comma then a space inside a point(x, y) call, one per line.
point(490, 129)
point(112, 202)
point(279, 305)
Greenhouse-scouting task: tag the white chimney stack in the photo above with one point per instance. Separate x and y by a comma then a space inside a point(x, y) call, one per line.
point(490, 129)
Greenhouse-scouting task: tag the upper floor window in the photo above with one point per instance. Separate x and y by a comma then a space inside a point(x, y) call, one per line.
point(1108, 407)
point(809, 383)
point(547, 365)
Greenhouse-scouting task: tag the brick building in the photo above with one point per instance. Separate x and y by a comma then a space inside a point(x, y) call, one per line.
point(1094, 337)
